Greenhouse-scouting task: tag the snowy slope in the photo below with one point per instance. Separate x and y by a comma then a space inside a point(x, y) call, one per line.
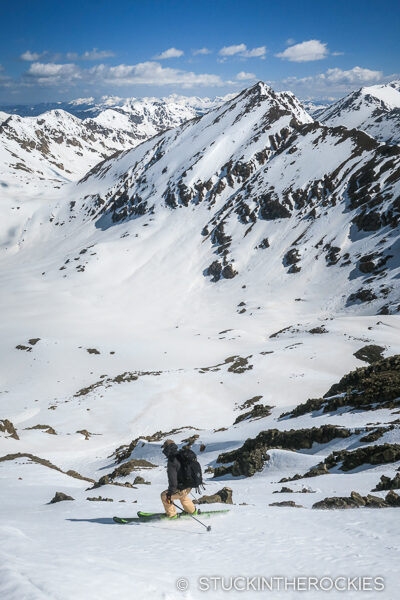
point(374, 109)
point(114, 327)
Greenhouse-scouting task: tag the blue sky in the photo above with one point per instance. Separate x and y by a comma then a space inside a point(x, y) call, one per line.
point(59, 50)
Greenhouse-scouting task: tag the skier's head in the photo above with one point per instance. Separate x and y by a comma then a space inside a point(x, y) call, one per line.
point(169, 447)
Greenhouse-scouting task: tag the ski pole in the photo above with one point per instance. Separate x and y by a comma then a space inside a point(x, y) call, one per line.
point(208, 527)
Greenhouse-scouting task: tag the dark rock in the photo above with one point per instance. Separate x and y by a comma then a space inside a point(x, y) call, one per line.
point(191, 440)
point(251, 457)
point(123, 452)
point(272, 209)
point(228, 272)
point(320, 469)
point(85, 433)
point(386, 483)
point(375, 434)
point(284, 490)
point(370, 354)
point(60, 497)
point(374, 501)
point(392, 498)
point(140, 481)
point(291, 257)
point(7, 427)
point(99, 499)
point(249, 402)
point(366, 388)
point(294, 269)
point(214, 270)
point(264, 244)
point(131, 465)
point(332, 256)
point(335, 502)
point(367, 455)
point(259, 411)
point(224, 496)
point(363, 295)
point(318, 330)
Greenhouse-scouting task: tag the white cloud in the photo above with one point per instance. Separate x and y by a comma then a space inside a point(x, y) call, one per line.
point(152, 73)
point(232, 50)
point(146, 73)
point(337, 53)
point(259, 52)
point(242, 51)
point(31, 56)
point(52, 73)
point(201, 51)
point(305, 52)
point(354, 75)
point(334, 81)
point(290, 41)
point(242, 76)
point(94, 54)
point(170, 53)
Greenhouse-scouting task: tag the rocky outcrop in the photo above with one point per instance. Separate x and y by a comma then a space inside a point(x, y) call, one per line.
point(287, 503)
point(319, 469)
point(259, 411)
point(288, 490)
point(366, 388)
point(355, 500)
point(45, 463)
point(7, 427)
point(224, 496)
point(250, 457)
point(140, 481)
point(368, 455)
point(60, 497)
point(124, 452)
point(386, 483)
point(99, 499)
point(123, 471)
point(370, 354)
point(46, 429)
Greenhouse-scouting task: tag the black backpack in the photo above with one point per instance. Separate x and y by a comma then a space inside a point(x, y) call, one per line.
point(189, 475)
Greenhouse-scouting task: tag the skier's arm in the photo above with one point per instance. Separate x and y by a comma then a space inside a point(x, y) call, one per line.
point(172, 470)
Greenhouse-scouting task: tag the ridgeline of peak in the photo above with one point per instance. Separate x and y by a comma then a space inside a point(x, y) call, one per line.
point(373, 109)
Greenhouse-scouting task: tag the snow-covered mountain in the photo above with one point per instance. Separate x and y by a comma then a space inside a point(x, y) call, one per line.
point(315, 108)
point(221, 283)
point(374, 109)
point(262, 181)
point(85, 108)
point(58, 145)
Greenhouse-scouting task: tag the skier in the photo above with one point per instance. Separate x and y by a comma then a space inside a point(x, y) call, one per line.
point(184, 472)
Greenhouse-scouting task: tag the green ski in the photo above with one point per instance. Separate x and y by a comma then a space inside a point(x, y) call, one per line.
point(144, 517)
